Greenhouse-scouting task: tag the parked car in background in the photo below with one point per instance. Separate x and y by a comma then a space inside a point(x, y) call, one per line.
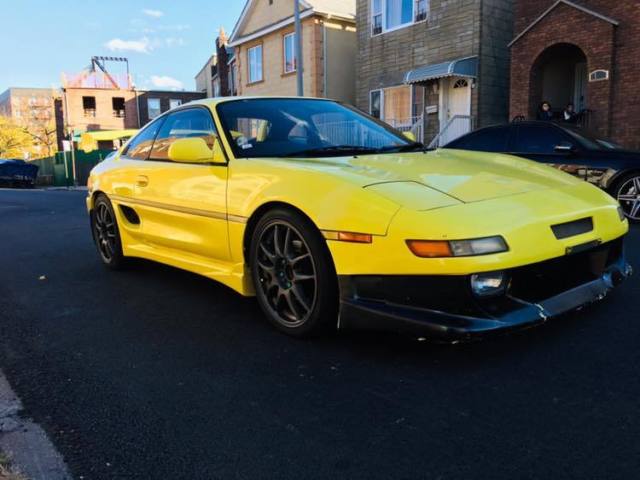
point(335, 220)
point(17, 173)
point(570, 149)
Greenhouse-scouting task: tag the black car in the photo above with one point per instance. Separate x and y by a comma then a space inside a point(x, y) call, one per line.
point(17, 173)
point(568, 148)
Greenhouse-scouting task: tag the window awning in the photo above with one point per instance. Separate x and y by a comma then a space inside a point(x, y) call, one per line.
point(462, 67)
point(88, 141)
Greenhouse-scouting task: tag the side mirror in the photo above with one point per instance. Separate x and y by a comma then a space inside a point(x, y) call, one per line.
point(195, 150)
point(564, 147)
point(410, 136)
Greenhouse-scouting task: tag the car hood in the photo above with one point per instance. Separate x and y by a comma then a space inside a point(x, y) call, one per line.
point(440, 178)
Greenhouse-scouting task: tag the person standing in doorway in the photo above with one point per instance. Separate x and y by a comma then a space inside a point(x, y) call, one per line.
point(544, 112)
point(569, 114)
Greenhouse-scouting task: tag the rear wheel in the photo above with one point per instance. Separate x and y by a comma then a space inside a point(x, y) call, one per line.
point(293, 274)
point(104, 228)
point(627, 192)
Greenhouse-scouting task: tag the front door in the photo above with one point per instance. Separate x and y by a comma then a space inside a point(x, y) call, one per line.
point(182, 206)
point(456, 118)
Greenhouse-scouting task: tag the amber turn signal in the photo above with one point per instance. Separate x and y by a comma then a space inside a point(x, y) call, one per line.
point(348, 237)
point(430, 248)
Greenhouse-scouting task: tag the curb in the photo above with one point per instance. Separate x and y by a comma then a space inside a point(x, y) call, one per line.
point(32, 453)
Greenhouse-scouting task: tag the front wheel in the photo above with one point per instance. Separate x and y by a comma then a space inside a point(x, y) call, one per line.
point(627, 192)
point(293, 274)
point(104, 227)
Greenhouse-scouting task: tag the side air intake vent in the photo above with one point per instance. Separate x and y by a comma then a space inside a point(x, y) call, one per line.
point(130, 214)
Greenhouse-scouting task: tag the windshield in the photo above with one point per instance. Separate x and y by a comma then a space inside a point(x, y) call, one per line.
point(288, 127)
point(591, 141)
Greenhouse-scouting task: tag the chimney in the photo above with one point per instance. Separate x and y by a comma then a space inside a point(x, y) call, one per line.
point(223, 58)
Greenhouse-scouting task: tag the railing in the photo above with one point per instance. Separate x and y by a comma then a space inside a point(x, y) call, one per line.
point(414, 125)
point(457, 126)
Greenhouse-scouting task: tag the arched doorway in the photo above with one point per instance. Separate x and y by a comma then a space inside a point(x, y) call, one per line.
point(559, 76)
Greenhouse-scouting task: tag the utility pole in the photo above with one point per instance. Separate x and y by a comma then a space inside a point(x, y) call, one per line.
point(298, 47)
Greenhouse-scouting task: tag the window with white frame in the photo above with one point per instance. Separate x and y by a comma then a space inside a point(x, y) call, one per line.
point(289, 48)
point(393, 105)
point(153, 107)
point(174, 102)
point(375, 103)
point(254, 61)
point(217, 87)
point(387, 15)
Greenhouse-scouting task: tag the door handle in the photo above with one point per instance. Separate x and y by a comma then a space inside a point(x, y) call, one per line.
point(142, 180)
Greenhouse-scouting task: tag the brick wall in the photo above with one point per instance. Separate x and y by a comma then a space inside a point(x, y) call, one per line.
point(616, 49)
point(104, 118)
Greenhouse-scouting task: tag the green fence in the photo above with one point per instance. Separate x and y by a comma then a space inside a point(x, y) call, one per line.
point(63, 166)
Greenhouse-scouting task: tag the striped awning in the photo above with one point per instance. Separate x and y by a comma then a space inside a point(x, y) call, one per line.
point(462, 67)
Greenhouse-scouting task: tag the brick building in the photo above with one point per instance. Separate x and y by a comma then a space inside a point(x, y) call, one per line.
point(33, 108)
point(152, 103)
point(583, 52)
point(436, 67)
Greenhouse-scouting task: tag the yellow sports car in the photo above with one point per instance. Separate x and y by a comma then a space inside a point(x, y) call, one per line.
point(335, 220)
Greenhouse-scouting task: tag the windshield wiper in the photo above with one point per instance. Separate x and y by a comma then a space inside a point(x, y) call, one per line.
point(411, 147)
point(339, 149)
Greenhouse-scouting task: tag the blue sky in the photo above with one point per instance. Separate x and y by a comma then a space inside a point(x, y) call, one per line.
point(166, 42)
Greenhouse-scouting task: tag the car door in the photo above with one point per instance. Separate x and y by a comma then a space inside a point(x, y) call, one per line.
point(182, 206)
point(547, 143)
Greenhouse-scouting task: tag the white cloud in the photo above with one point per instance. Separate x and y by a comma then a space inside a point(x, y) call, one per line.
point(141, 46)
point(165, 81)
point(175, 42)
point(153, 13)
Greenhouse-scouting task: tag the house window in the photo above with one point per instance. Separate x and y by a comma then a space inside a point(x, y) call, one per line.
point(153, 107)
point(254, 57)
point(174, 102)
point(216, 87)
point(387, 15)
point(392, 105)
point(233, 74)
point(290, 62)
point(376, 104)
point(118, 107)
point(89, 106)
point(420, 12)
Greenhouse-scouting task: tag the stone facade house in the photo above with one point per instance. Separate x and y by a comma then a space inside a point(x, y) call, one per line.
point(583, 52)
point(264, 48)
point(436, 67)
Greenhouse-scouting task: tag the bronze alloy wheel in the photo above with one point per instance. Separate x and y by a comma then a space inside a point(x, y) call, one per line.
point(293, 274)
point(287, 273)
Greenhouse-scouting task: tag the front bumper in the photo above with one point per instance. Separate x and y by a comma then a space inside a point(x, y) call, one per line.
point(444, 307)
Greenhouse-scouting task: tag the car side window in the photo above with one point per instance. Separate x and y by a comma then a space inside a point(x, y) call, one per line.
point(492, 139)
point(140, 145)
point(189, 123)
point(538, 139)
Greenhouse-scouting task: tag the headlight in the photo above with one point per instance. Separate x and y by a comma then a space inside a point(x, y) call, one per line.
point(457, 248)
point(489, 284)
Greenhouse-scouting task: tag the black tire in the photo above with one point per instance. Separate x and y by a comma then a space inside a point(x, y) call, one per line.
point(106, 235)
point(627, 192)
point(293, 274)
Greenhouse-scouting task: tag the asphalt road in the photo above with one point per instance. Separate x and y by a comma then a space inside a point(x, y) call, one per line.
point(156, 373)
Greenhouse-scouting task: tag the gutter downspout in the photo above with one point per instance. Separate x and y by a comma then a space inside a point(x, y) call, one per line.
point(325, 71)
